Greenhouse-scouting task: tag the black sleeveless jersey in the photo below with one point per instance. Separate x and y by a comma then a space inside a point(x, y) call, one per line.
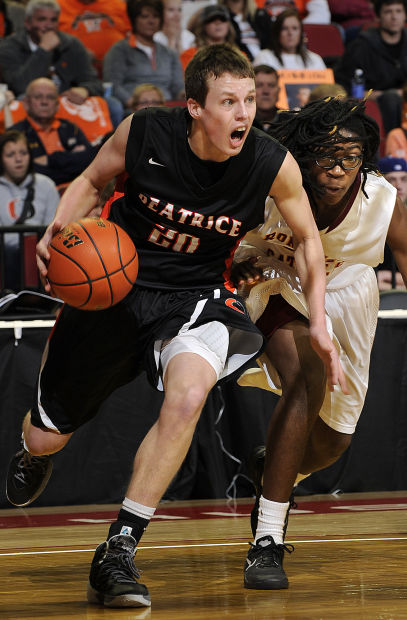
point(186, 234)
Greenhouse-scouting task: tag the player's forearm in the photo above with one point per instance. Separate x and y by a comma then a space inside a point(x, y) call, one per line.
point(77, 201)
point(309, 259)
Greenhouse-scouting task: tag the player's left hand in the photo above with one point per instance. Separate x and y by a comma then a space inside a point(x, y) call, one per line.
point(325, 348)
point(246, 273)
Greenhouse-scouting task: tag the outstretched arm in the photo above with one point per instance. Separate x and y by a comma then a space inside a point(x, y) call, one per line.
point(292, 202)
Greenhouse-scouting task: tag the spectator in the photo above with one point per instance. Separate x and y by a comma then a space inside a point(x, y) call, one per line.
point(6, 24)
point(140, 59)
point(351, 15)
point(381, 52)
point(59, 148)
point(267, 91)
point(396, 139)
point(146, 96)
point(287, 49)
point(310, 11)
point(41, 50)
point(25, 197)
point(211, 25)
point(252, 25)
point(172, 34)
point(394, 170)
point(97, 23)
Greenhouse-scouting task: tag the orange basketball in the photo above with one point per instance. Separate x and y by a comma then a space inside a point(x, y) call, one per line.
point(93, 264)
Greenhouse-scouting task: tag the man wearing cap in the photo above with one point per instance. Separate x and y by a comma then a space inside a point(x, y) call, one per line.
point(394, 170)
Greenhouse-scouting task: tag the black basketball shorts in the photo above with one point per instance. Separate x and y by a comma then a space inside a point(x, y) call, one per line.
point(90, 354)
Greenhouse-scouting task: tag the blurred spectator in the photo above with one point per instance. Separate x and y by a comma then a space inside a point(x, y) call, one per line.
point(287, 49)
point(211, 25)
point(252, 25)
point(6, 24)
point(310, 11)
point(140, 59)
point(25, 197)
point(59, 148)
point(15, 13)
point(381, 52)
point(97, 23)
point(394, 171)
point(41, 50)
point(396, 139)
point(351, 15)
point(146, 96)
point(327, 90)
point(172, 34)
point(267, 91)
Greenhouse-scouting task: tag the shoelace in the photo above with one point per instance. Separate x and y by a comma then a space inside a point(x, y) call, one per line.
point(118, 565)
point(26, 464)
point(271, 554)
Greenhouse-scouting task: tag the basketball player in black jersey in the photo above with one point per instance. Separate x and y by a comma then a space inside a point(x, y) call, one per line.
point(197, 182)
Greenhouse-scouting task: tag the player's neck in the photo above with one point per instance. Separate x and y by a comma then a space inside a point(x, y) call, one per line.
point(201, 146)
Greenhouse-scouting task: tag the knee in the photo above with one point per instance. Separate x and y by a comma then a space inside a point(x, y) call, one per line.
point(333, 443)
point(305, 390)
point(39, 441)
point(184, 406)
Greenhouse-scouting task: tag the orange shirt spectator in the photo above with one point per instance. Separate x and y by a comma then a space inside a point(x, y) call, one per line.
point(97, 23)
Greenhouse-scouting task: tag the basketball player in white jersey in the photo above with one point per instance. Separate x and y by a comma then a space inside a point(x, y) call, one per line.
point(356, 211)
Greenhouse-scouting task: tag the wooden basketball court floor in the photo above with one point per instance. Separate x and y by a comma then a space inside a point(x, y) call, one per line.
point(350, 561)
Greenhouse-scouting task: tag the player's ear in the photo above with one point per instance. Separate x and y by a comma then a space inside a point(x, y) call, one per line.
point(194, 108)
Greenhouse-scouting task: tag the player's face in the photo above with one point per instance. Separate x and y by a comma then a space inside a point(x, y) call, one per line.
point(399, 180)
point(15, 160)
point(267, 91)
point(336, 182)
point(41, 21)
point(226, 118)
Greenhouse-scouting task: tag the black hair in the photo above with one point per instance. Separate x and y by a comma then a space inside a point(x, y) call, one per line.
point(135, 7)
point(12, 135)
point(378, 4)
point(213, 61)
point(315, 128)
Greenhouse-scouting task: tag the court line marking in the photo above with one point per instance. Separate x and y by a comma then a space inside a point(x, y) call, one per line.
point(231, 544)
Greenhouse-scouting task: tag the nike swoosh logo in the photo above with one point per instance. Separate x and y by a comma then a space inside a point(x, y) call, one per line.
point(155, 163)
point(249, 564)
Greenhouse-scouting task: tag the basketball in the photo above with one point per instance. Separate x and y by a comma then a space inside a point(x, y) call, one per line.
point(93, 264)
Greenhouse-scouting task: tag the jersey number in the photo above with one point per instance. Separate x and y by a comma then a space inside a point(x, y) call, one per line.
point(177, 242)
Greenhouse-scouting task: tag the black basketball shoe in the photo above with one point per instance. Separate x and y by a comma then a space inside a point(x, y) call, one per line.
point(263, 569)
point(256, 468)
point(27, 477)
point(113, 575)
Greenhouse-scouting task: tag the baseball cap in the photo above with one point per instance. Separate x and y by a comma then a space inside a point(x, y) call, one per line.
point(392, 164)
point(214, 11)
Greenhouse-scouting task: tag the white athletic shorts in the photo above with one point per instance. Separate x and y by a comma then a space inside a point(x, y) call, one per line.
point(352, 304)
point(210, 341)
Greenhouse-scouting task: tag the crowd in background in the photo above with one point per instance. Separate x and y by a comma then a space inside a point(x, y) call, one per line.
point(71, 70)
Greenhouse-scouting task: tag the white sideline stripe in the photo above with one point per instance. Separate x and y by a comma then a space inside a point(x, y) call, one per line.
point(235, 544)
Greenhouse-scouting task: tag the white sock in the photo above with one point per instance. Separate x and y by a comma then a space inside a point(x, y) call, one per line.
point(145, 512)
point(271, 520)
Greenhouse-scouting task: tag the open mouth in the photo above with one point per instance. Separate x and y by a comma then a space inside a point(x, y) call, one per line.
point(238, 135)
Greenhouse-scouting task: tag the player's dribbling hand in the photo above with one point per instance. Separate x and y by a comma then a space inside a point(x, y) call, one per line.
point(322, 344)
point(42, 252)
point(246, 273)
